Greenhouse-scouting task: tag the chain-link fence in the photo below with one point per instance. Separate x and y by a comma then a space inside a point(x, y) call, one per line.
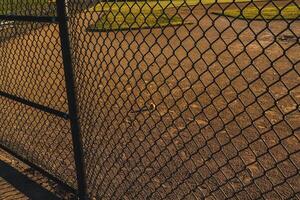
point(34, 121)
point(182, 99)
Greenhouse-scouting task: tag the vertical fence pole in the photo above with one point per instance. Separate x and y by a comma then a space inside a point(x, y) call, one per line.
point(72, 105)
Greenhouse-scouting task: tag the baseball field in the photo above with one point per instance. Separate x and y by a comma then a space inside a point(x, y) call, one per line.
point(192, 100)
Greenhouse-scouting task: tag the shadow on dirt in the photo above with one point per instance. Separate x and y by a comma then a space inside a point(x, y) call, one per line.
point(23, 184)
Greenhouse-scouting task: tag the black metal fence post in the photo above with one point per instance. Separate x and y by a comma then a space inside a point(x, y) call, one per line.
point(70, 87)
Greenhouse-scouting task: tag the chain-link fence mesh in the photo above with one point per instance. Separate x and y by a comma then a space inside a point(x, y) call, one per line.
point(182, 99)
point(178, 100)
point(32, 74)
point(11, 28)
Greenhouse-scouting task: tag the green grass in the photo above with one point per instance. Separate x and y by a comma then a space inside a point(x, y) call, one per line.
point(136, 20)
point(289, 12)
point(115, 6)
point(18, 6)
point(134, 15)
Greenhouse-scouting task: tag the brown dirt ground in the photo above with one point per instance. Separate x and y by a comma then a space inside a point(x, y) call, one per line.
point(226, 117)
point(12, 190)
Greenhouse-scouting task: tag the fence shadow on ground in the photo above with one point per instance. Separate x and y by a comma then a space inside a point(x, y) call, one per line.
point(23, 184)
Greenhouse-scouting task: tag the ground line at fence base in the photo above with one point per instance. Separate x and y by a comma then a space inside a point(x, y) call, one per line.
point(39, 169)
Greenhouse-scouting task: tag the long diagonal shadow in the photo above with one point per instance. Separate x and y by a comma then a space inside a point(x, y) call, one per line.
point(25, 185)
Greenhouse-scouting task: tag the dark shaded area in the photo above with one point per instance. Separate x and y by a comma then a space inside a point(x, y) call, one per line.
point(22, 183)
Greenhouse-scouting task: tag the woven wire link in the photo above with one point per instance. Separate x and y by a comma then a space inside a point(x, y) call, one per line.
point(180, 99)
point(207, 109)
point(31, 69)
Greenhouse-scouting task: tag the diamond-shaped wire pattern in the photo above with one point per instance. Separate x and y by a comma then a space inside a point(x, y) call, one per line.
point(31, 71)
point(205, 107)
point(182, 99)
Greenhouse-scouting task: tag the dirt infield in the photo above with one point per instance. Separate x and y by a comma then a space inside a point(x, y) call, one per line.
point(222, 122)
point(222, 97)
